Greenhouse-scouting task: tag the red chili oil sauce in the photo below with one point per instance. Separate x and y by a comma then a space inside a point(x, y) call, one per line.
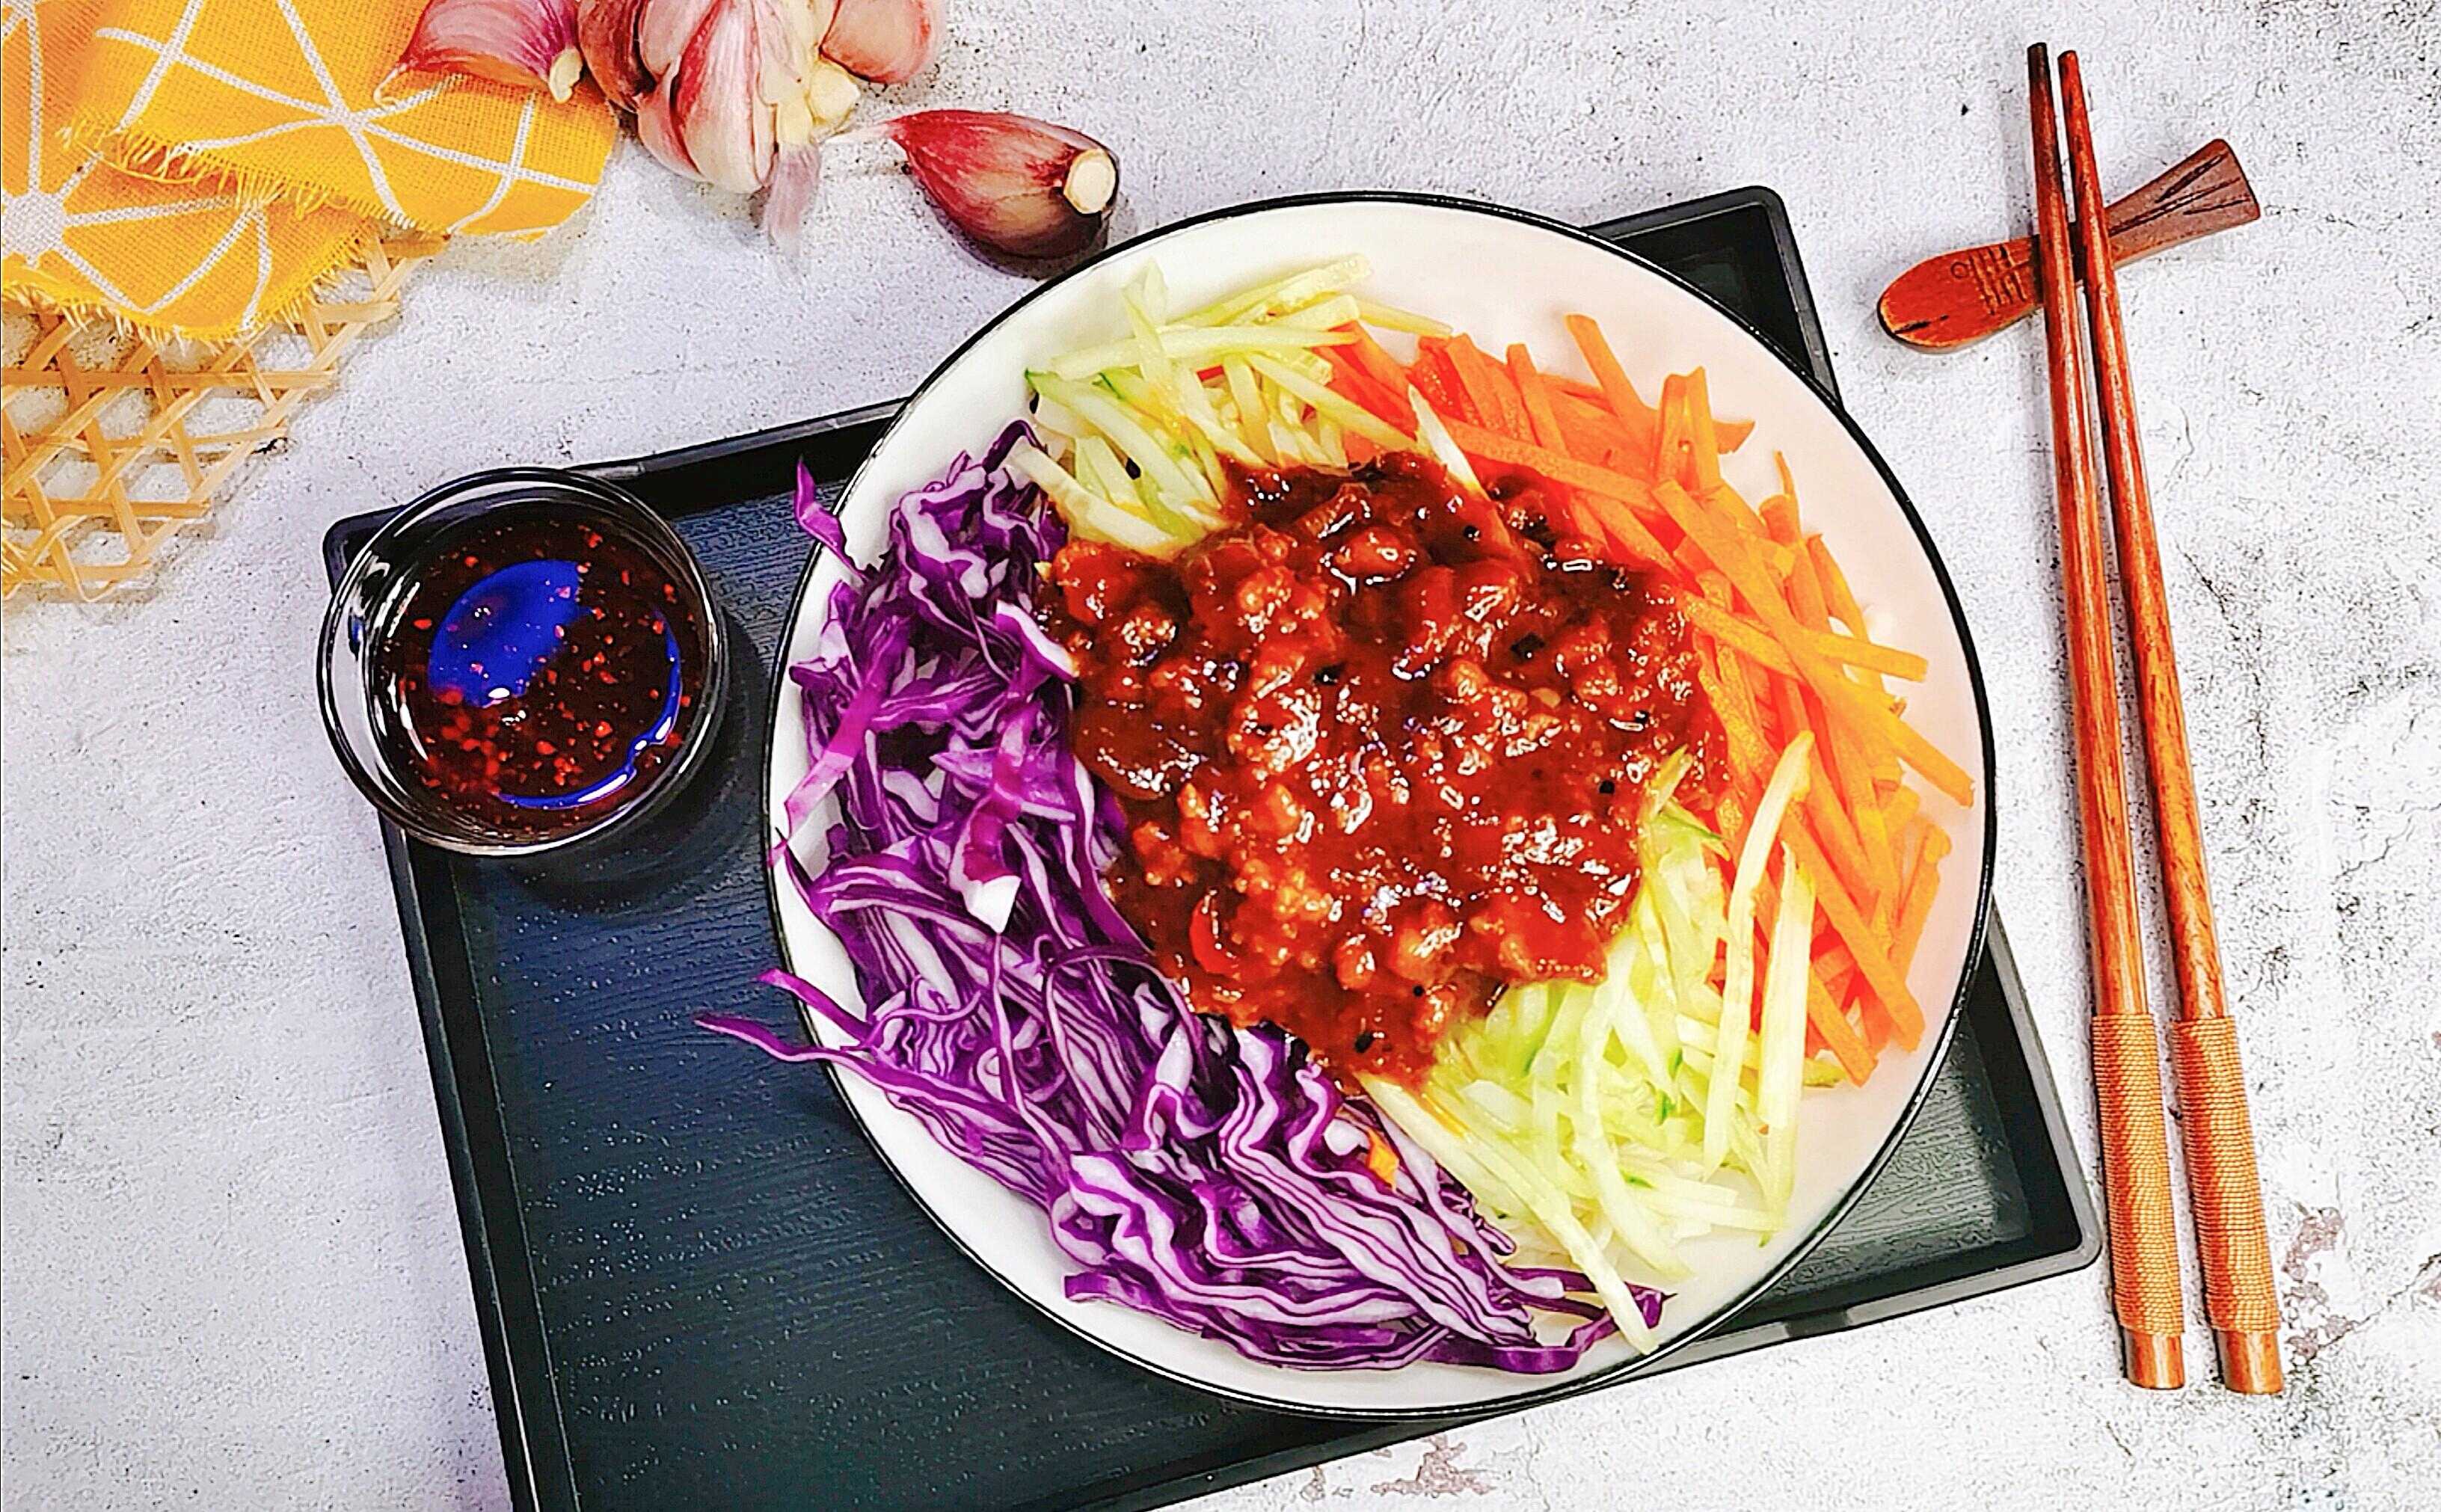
point(542, 669)
point(1380, 744)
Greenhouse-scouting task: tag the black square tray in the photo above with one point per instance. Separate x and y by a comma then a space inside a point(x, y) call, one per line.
point(696, 1283)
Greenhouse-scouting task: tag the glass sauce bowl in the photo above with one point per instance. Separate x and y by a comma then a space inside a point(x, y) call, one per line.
point(522, 661)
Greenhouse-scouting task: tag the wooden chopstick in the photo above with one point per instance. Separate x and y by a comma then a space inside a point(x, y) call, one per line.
point(2145, 1283)
point(2240, 1298)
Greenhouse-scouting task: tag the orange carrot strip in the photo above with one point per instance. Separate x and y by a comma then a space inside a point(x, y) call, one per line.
point(1731, 630)
point(1670, 444)
point(1486, 390)
point(1852, 778)
point(1750, 755)
point(1534, 394)
point(1703, 437)
point(1824, 804)
point(1780, 518)
point(1823, 1015)
point(1624, 534)
point(1733, 433)
point(1388, 404)
point(1375, 359)
point(1558, 466)
point(1870, 655)
point(1841, 598)
point(1805, 597)
point(1725, 626)
point(1898, 809)
point(1749, 758)
point(1907, 932)
point(1887, 982)
point(1595, 436)
point(1634, 413)
point(1852, 775)
point(1431, 377)
point(1879, 1030)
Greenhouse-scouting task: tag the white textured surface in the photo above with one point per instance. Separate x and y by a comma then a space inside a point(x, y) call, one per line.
point(232, 1269)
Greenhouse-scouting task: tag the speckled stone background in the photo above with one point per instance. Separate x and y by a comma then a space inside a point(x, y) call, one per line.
point(232, 1269)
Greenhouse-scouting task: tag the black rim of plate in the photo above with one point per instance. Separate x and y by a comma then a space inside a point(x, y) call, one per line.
point(1529, 1393)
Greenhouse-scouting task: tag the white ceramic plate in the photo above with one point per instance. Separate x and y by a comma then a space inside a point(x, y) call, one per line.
point(1502, 277)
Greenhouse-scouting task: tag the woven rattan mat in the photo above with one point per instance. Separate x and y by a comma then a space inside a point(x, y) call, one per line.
point(114, 441)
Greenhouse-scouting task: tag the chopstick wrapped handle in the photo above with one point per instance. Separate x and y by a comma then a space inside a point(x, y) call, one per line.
point(1965, 295)
point(2135, 1170)
point(2240, 1298)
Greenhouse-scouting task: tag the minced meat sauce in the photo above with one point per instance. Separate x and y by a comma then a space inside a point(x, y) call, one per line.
point(1380, 744)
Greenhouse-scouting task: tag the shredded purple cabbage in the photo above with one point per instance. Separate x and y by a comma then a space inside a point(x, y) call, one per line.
point(1211, 1176)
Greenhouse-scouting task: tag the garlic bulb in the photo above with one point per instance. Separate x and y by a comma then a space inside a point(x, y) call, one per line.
point(886, 41)
point(733, 92)
point(1018, 184)
point(510, 42)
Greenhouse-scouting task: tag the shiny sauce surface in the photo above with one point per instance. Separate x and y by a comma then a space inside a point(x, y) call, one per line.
point(1380, 744)
point(542, 669)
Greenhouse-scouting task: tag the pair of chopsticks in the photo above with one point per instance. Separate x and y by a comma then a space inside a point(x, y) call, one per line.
point(2239, 1298)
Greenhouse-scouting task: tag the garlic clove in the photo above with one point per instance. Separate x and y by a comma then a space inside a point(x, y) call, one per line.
point(886, 41)
point(658, 131)
point(606, 33)
point(664, 28)
point(522, 42)
point(1021, 185)
point(717, 106)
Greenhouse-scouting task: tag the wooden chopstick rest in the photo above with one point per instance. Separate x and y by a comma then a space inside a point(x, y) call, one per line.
point(1963, 297)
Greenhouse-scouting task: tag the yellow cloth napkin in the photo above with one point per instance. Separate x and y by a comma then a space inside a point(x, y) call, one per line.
point(85, 236)
point(196, 166)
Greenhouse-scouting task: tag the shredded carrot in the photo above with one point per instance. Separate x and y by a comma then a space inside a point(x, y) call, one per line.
point(1431, 378)
point(1805, 597)
point(1877, 1026)
point(1874, 722)
point(1703, 437)
point(1887, 982)
point(1390, 405)
point(1579, 388)
point(1780, 517)
point(1825, 1017)
point(1670, 445)
point(1377, 362)
point(1749, 758)
point(1729, 630)
point(1823, 803)
point(1534, 394)
point(1486, 389)
point(1845, 650)
point(1836, 594)
point(1642, 424)
point(1907, 931)
point(1558, 466)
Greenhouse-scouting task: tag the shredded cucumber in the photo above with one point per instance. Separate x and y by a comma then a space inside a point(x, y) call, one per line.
point(1243, 380)
point(1613, 1123)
